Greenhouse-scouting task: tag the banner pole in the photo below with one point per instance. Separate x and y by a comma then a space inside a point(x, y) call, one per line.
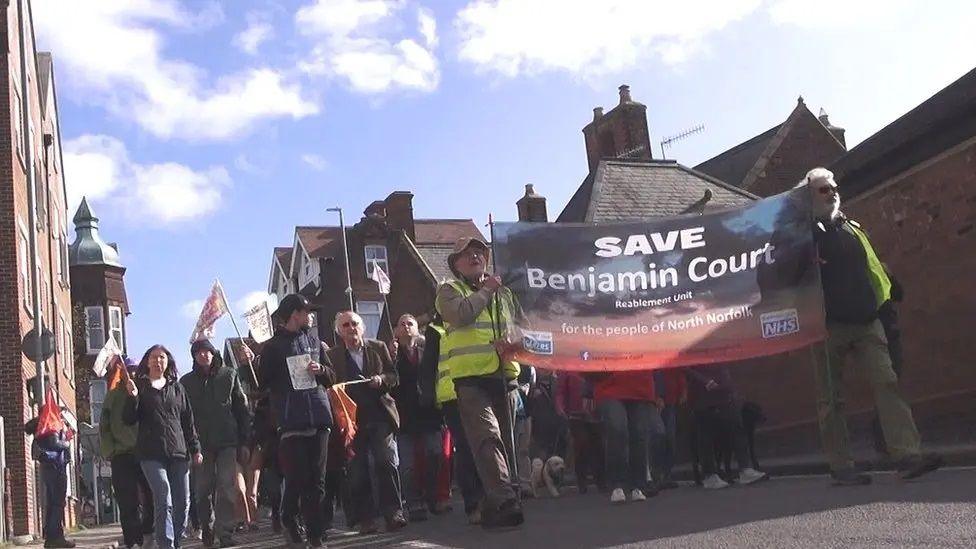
point(509, 411)
point(250, 365)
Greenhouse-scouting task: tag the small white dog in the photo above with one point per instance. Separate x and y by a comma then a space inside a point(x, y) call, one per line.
point(548, 474)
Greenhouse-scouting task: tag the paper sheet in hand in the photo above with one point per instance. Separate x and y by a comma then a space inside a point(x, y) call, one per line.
point(301, 378)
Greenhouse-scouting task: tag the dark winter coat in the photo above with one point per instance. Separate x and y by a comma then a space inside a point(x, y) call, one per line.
point(219, 405)
point(165, 419)
point(415, 415)
point(296, 410)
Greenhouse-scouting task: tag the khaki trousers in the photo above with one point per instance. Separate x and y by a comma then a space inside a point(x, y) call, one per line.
point(864, 346)
point(483, 415)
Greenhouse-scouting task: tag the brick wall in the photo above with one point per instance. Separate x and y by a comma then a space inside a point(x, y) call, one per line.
point(921, 224)
point(807, 144)
point(15, 320)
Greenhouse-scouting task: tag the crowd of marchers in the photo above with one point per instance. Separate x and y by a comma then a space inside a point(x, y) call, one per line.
point(444, 407)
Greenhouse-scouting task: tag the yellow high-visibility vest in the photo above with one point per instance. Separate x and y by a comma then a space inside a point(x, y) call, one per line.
point(444, 387)
point(880, 282)
point(471, 351)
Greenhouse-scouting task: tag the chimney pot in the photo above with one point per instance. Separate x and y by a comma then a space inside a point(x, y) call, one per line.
point(625, 94)
point(597, 113)
point(529, 189)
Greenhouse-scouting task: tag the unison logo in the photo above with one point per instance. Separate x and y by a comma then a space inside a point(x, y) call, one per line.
point(779, 323)
point(539, 343)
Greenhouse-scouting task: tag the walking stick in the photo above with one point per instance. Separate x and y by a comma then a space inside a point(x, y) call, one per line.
point(511, 453)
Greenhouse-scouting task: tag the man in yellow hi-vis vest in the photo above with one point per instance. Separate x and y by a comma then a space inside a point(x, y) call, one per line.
point(478, 313)
point(855, 285)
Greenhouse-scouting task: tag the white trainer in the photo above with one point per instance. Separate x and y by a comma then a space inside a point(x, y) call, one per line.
point(715, 482)
point(618, 496)
point(637, 495)
point(750, 475)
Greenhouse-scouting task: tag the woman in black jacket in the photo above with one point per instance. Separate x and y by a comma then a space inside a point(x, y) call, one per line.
point(167, 440)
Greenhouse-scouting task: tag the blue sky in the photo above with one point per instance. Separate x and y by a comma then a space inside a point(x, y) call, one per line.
point(204, 131)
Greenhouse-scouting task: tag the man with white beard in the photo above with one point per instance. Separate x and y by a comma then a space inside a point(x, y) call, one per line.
point(855, 285)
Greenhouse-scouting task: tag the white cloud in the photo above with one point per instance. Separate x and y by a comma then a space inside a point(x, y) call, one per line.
point(258, 31)
point(356, 41)
point(98, 166)
point(513, 37)
point(250, 300)
point(191, 309)
point(835, 13)
point(113, 53)
point(316, 162)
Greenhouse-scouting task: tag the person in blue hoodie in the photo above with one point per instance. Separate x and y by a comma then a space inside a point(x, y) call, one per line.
point(296, 372)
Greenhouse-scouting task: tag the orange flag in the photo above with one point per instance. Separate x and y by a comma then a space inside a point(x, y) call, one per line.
point(344, 415)
point(118, 374)
point(49, 420)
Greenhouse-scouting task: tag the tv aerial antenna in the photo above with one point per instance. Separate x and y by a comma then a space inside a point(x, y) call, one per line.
point(666, 142)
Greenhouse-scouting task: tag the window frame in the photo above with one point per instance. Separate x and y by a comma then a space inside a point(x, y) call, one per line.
point(92, 385)
point(365, 315)
point(88, 328)
point(23, 241)
point(384, 263)
point(120, 341)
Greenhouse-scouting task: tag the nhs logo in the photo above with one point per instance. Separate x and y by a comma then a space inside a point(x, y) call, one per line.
point(539, 343)
point(779, 323)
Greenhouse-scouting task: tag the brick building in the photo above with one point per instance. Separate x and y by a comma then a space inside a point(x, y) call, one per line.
point(30, 132)
point(912, 185)
point(773, 161)
point(100, 309)
point(413, 252)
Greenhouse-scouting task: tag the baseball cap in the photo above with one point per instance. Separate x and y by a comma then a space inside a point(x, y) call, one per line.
point(291, 303)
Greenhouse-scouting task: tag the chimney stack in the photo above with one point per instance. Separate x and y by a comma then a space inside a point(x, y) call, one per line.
point(399, 213)
point(625, 94)
point(836, 131)
point(532, 206)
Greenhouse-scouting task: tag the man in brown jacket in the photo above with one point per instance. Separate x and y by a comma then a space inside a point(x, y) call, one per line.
point(357, 358)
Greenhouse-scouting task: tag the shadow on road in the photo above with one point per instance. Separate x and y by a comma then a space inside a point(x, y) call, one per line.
point(813, 511)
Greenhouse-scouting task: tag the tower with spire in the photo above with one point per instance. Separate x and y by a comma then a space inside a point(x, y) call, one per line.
point(100, 309)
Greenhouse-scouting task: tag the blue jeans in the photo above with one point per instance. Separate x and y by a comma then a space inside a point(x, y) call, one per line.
point(627, 426)
point(419, 491)
point(170, 484)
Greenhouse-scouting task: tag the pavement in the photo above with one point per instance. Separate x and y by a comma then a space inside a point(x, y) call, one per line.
point(938, 510)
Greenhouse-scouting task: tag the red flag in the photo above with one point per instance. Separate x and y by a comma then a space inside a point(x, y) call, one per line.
point(49, 420)
point(214, 308)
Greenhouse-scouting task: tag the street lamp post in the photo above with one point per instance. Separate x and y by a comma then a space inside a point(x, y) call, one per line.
point(345, 251)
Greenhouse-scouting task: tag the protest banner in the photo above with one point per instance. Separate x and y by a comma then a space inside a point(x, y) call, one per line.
point(258, 319)
point(683, 291)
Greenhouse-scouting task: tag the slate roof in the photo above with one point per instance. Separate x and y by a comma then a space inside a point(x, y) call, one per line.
point(435, 256)
point(320, 241)
point(624, 190)
point(435, 241)
point(444, 231)
point(733, 165)
point(941, 122)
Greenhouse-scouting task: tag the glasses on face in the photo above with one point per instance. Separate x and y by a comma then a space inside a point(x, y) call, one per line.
point(350, 324)
point(829, 189)
point(470, 254)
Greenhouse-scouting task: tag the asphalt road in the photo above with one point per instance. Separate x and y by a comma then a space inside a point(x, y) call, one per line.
point(799, 512)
